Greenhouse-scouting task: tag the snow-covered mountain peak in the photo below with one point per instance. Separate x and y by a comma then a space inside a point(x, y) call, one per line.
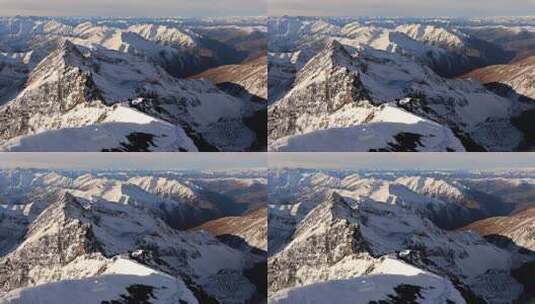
point(65, 211)
point(337, 204)
point(167, 35)
point(56, 27)
point(165, 187)
point(326, 214)
point(432, 186)
point(76, 234)
point(323, 27)
point(66, 54)
point(53, 179)
point(433, 35)
point(352, 27)
point(337, 52)
point(335, 241)
point(66, 203)
point(332, 62)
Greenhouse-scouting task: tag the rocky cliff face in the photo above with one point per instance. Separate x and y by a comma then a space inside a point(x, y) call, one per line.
point(89, 231)
point(326, 239)
point(55, 239)
point(381, 89)
point(123, 80)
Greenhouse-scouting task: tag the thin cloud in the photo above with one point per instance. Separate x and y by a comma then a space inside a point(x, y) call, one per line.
point(402, 161)
point(184, 8)
point(403, 8)
point(133, 161)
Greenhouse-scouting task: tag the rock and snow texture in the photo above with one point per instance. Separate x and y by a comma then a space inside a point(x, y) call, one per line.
point(336, 85)
point(102, 238)
point(111, 88)
point(375, 238)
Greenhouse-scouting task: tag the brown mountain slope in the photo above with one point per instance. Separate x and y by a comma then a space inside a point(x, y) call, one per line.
point(519, 76)
point(250, 75)
point(519, 227)
point(252, 227)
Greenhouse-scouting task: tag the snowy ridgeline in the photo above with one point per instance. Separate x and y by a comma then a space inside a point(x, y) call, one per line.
point(122, 85)
point(130, 237)
point(399, 85)
point(393, 237)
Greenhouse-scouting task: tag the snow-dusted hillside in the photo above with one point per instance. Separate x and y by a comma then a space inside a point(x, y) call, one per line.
point(364, 237)
point(105, 239)
point(111, 87)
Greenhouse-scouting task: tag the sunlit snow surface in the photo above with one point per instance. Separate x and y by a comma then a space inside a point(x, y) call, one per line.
point(111, 285)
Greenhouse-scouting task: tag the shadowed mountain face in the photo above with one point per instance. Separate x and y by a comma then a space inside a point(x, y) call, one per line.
point(516, 233)
point(122, 236)
point(513, 81)
point(386, 237)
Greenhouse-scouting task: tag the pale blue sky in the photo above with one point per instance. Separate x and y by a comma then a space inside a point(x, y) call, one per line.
point(196, 8)
point(143, 161)
point(186, 8)
point(395, 161)
point(222, 161)
point(403, 8)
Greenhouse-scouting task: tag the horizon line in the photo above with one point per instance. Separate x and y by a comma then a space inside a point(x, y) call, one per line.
point(270, 16)
point(400, 17)
point(133, 16)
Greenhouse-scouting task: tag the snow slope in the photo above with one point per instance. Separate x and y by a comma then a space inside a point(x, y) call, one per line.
point(55, 71)
point(98, 79)
point(121, 279)
point(100, 235)
point(325, 237)
point(341, 88)
point(121, 129)
point(391, 280)
point(386, 131)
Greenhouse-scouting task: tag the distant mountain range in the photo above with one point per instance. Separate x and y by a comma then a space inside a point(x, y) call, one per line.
point(257, 236)
point(396, 237)
point(128, 236)
point(407, 84)
point(121, 85)
point(258, 83)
